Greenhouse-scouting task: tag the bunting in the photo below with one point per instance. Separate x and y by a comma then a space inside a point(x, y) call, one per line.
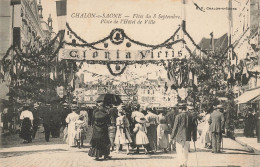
point(61, 9)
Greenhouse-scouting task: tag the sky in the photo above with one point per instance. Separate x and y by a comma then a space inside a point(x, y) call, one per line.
point(199, 24)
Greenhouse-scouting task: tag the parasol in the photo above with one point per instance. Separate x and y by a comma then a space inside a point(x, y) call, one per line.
point(109, 98)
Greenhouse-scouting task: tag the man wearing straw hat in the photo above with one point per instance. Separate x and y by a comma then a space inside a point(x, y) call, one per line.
point(216, 128)
point(183, 130)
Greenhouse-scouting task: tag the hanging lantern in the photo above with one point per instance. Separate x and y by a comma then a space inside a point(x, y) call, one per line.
point(118, 67)
point(74, 42)
point(128, 44)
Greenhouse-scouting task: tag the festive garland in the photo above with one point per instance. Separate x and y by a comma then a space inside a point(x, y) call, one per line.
point(82, 40)
point(193, 42)
point(165, 43)
point(30, 60)
point(7, 52)
point(60, 45)
point(34, 54)
point(116, 74)
point(153, 46)
point(81, 45)
point(33, 61)
point(142, 62)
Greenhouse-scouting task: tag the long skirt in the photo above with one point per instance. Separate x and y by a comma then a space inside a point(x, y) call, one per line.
point(208, 137)
point(99, 147)
point(122, 136)
point(26, 130)
point(112, 134)
point(71, 134)
point(141, 138)
point(152, 136)
point(163, 142)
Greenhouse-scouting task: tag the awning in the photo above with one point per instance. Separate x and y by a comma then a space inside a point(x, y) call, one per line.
point(256, 100)
point(248, 96)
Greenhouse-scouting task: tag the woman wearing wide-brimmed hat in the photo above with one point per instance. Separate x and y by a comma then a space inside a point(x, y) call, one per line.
point(100, 143)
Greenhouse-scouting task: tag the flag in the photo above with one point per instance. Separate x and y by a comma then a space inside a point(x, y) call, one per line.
point(234, 59)
point(212, 40)
point(211, 37)
point(51, 75)
point(15, 2)
point(230, 14)
point(190, 81)
point(61, 9)
point(195, 80)
point(230, 21)
point(245, 76)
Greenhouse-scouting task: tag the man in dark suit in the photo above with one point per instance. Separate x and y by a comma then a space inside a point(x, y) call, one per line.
point(56, 123)
point(170, 118)
point(216, 127)
point(183, 130)
point(36, 120)
point(47, 121)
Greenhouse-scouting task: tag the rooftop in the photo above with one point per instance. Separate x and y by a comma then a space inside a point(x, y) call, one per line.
point(220, 43)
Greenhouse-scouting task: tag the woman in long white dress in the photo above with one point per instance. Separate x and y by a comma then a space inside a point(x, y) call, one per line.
point(205, 135)
point(71, 119)
point(122, 132)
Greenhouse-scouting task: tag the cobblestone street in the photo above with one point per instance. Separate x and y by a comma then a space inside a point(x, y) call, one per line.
point(57, 154)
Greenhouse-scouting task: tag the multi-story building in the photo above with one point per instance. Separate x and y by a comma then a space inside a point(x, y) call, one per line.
point(22, 24)
point(151, 91)
point(246, 41)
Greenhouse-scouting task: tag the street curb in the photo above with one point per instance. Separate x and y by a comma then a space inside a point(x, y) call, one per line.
point(248, 146)
point(5, 134)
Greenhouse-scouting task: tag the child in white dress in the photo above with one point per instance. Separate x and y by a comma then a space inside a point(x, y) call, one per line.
point(140, 130)
point(80, 128)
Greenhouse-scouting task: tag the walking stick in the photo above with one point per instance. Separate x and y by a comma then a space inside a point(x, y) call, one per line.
point(196, 152)
point(222, 144)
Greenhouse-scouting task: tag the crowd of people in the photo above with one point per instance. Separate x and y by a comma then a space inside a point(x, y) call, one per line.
point(116, 127)
point(119, 127)
point(53, 118)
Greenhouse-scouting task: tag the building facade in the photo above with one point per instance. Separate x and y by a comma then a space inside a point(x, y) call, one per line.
point(246, 41)
point(151, 91)
point(22, 25)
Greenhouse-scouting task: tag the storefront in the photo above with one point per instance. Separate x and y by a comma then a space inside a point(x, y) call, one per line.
point(248, 106)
